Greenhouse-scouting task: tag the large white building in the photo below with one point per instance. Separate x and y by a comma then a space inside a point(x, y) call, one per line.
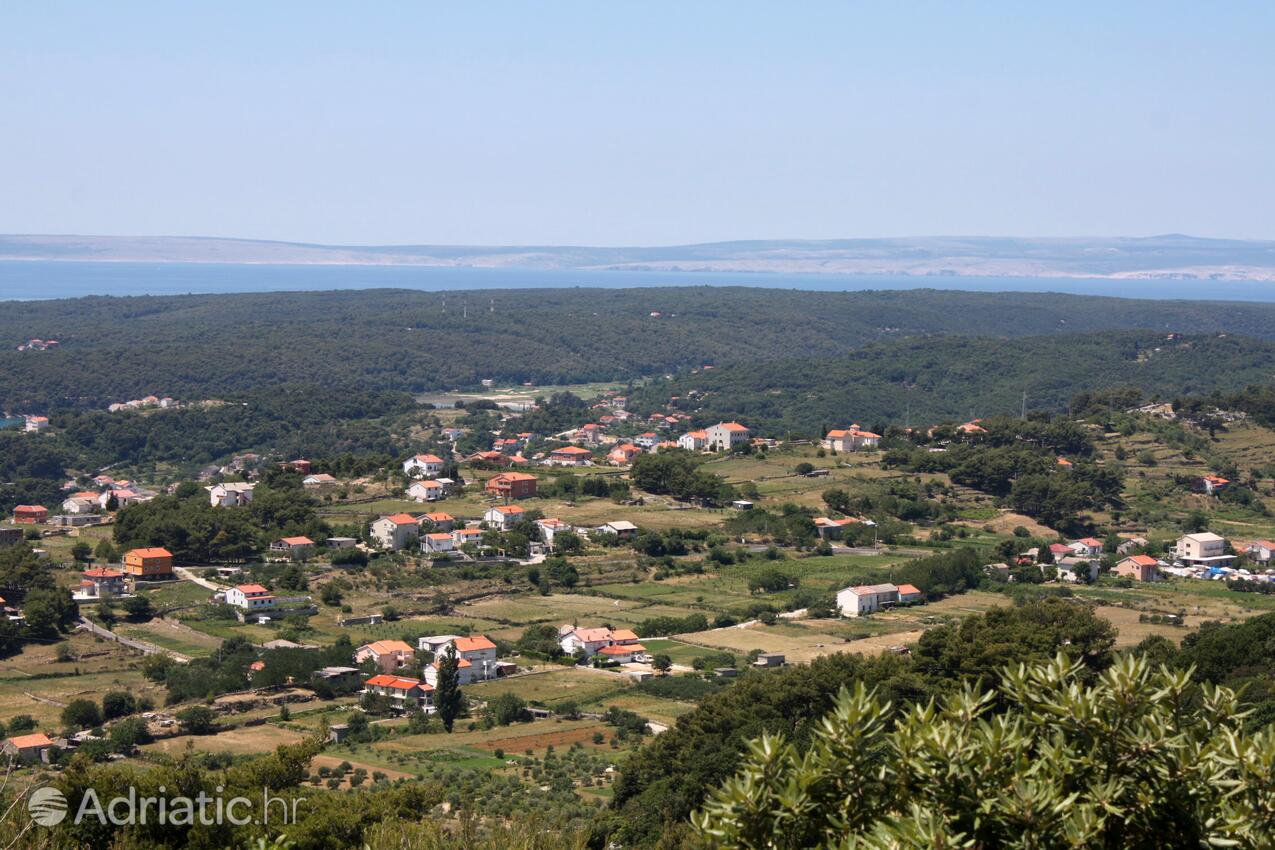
point(1204, 549)
point(394, 532)
point(866, 598)
point(852, 439)
point(725, 436)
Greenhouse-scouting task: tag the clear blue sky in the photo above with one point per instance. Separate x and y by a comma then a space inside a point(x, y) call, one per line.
point(636, 123)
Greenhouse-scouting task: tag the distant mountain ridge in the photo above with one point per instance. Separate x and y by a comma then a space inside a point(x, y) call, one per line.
point(1168, 256)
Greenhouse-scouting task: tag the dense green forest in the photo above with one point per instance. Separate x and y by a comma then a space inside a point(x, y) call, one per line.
point(209, 346)
point(947, 378)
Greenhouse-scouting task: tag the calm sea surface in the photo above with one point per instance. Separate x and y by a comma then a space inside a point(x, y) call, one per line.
point(28, 280)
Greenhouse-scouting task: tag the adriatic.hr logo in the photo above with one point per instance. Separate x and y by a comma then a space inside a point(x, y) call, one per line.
point(47, 806)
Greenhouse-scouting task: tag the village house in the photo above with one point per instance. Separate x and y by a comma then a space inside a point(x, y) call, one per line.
point(853, 439)
point(1261, 551)
point(296, 548)
point(621, 528)
point(1086, 547)
point(725, 437)
point(833, 529)
point(623, 653)
point(438, 520)
point(503, 517)
point(571, 456)
point(30, 514)
point(153, 563)
point(407, 694)
point(388, 655)
point(592, 641)
point(318, 480)
point(29, 749)
point(423, 466)
point(479, 651)
point(35, 423)
point(591, 433)
point(437, 542)
point(102, 582)
point(1060, 550)
point(1139, 568)
point(341, 543)
point(250, 597)
point(1204, 549)
point(426, 491)
point(866, 598)
point(493, 458)
point(623, 454)
point(393, 532)
point(511, 485)
point(465, 536)
point(230, 495)
point(1211, 485)
point(464, 672)
point(80, 504)
point(909, 594)
point(1127, 546)
point(549, 527)
point(452, 434)
point(649, 440)
point(693, 441)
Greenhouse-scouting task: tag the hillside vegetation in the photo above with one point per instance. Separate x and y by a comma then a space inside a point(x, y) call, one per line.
point(960, 378)
point(210, 346)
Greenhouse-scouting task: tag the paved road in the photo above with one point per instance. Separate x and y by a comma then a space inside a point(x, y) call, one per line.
point(187, 575)
point(132, 643)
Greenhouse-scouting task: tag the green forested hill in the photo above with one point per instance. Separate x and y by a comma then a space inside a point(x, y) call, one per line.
point(204, 346)
point(961, 378)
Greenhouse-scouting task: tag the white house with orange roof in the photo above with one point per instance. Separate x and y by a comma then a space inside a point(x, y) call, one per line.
point(571, 456)
point(504, 517)
point(426, 491)
point(293, 547)
point(438, 542)
point(476, 657)
point(99, 582)
point(1139, 568)
point(725, 436)
point(591, 433)
point(623, 454)
point(440, 520)
point(393, 532)
point(693, 441)
point(593, 641)
point(1086, 547)
point(406, 693)
point(250, 597)
point(1261, 550)
point(852, 439)
point(648, 440)
point(423, 466)
point(550, 526)
point(388, 655)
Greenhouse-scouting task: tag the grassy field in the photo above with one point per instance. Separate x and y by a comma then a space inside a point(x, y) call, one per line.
point(557, 685)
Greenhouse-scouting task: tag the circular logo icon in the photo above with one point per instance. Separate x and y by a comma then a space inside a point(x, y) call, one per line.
point(47, 806)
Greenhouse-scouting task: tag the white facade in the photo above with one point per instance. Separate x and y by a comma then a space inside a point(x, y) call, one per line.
point(437, 542)
point(1205, 549)
point(423, 466)
point(250, 597)
point(503, 517)
point(426, 491)
point(866, 598)
point(693, 441)
point(230, 495)
point(393, 532)
point(725, 436)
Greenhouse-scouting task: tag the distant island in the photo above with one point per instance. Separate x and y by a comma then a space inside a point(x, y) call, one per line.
point(1172, 256)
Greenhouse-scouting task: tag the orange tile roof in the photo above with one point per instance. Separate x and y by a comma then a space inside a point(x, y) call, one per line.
point(402, 519)
point(623, 634)
point(152, 552)
point(298, 541)
point(384, 647)
point(251, 589)
point(1143, 560)
point(395, 683)
point(35, 739)
point(623, 649)
point(909, 588)
point(102, 572)
point(473, 644)
point(440, 517)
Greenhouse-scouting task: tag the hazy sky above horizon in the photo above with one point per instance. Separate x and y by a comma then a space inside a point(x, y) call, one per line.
point(641, 123)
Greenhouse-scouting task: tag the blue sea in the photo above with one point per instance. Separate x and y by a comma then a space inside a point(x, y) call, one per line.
point(34, 280)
